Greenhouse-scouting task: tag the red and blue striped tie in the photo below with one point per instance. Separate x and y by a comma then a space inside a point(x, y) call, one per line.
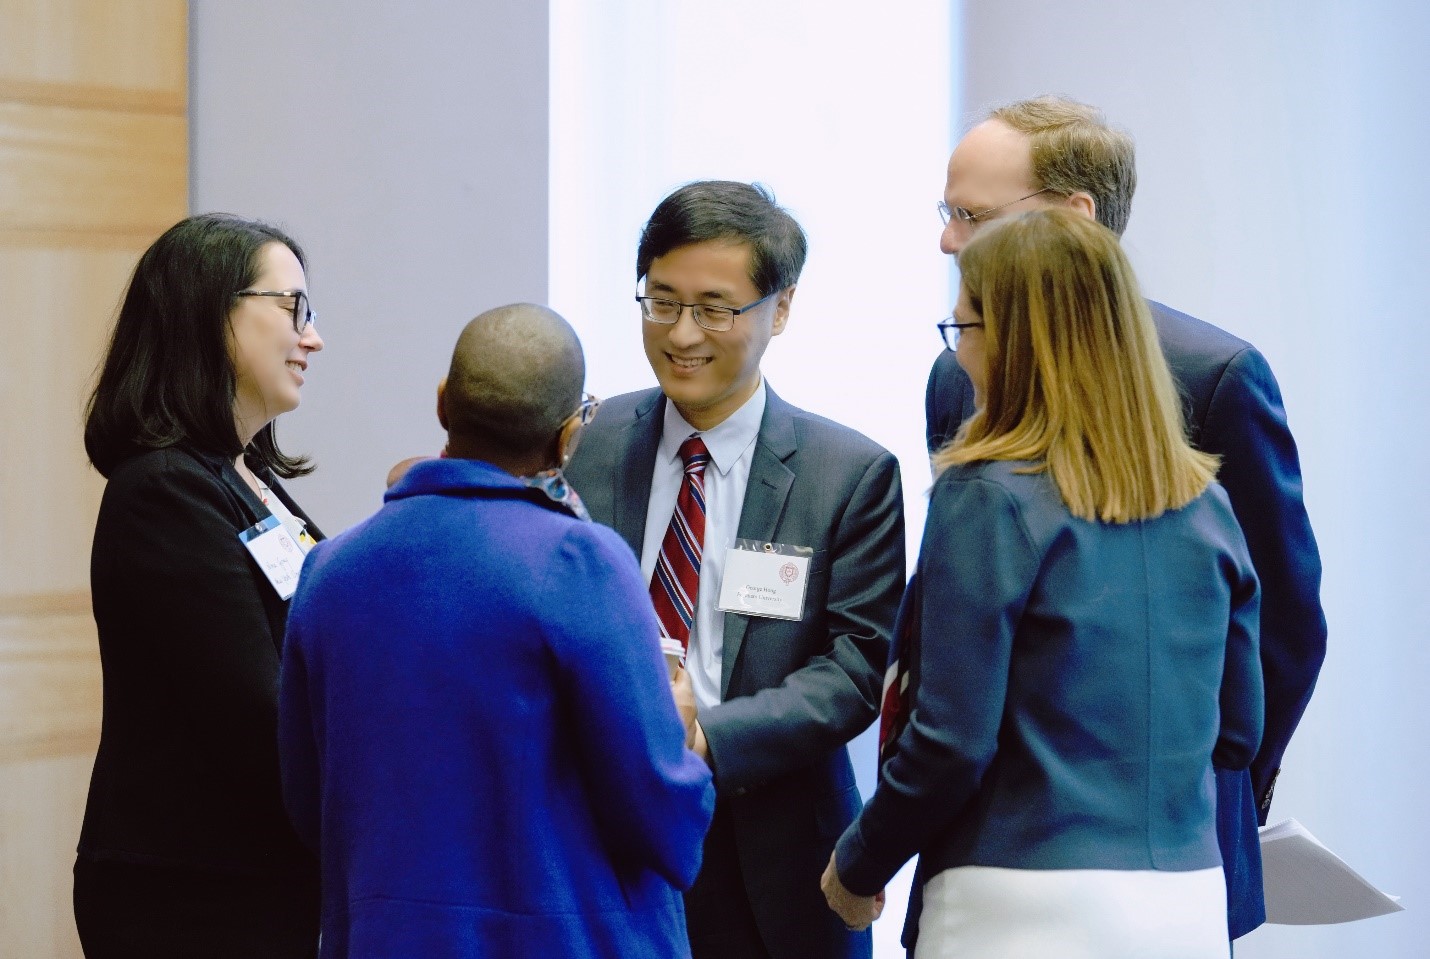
point(675, 586)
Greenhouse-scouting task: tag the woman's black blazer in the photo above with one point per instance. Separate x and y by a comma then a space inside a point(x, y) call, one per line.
point(190, 633)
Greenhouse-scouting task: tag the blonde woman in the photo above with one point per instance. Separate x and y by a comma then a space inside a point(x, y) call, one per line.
point(1080, 637)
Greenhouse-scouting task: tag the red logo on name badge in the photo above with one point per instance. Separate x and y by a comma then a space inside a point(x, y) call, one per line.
point(789, 572)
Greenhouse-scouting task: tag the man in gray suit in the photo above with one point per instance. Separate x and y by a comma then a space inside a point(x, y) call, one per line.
point(774, 542)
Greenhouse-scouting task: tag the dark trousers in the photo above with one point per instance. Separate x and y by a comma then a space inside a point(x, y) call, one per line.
point(718, 917)
point(132, 911)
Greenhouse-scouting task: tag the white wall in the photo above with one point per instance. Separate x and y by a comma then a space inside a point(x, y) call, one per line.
point(404, 145)
point(1281, 149)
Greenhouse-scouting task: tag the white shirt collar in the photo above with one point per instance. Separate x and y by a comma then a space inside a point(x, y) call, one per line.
point(726, 442)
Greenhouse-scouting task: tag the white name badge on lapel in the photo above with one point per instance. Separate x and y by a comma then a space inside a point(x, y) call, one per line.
point(276, 552)
point(765, 579)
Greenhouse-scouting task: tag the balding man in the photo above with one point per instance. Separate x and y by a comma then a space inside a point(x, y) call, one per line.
point(476, 730)
point(1052, 151)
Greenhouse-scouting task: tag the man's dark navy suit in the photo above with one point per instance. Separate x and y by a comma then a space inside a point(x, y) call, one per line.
point(1233, 409)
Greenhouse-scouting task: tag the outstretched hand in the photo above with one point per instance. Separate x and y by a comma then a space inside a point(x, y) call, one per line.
point(858, 912)
point(684, 693)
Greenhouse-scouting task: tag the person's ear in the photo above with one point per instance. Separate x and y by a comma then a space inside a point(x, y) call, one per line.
point(442, 404)
point(1083, 203)
point(782, 304)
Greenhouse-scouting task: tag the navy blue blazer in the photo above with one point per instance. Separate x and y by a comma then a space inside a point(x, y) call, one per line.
point(1233, 408)
point(793, 693)
point(1072, 684)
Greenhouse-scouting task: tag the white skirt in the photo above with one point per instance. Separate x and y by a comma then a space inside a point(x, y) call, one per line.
point(971, 912)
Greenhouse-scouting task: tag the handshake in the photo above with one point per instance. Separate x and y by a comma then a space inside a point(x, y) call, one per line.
point(684, 693)
point(858, 912)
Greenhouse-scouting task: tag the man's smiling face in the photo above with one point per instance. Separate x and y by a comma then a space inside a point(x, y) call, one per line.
point(707, 374)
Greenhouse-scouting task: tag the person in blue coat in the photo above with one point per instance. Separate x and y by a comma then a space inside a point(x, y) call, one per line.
point(1052, 151)
point(1080, 637)
point(476, 727)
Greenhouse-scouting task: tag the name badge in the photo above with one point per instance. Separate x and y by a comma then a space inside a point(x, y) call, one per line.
point(276, 552)
point(765, 579)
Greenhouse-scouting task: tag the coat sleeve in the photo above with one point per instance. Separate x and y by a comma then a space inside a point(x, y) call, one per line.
point(652, 797)
point(948, 401)
point(1242, 704)
point(1246, 425)
point(834, 696)
point(977, 567)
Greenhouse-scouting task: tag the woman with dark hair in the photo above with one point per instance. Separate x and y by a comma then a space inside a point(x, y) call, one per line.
point(1080, 636)
point(185, 849)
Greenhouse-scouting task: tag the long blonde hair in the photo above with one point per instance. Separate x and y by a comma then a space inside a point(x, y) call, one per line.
point(1076, 380)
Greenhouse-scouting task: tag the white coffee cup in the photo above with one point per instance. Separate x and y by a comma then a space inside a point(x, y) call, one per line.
point(674, 654)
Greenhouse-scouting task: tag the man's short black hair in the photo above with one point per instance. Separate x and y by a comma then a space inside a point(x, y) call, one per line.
point(728, 210)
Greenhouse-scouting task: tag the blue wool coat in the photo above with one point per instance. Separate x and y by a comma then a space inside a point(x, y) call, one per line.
point(477, 734)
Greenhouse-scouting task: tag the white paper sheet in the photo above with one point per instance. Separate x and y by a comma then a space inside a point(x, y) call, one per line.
point(1308, 885)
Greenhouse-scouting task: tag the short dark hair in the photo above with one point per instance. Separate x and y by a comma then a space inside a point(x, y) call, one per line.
point(515, 378)
point(167, 378)
point(728, 210)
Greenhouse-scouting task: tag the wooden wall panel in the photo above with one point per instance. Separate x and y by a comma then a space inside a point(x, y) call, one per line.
point(40, 813)
point(123, 54)
point(59, 305)
point(67, 170)
point(93, 166)
point(51, 705)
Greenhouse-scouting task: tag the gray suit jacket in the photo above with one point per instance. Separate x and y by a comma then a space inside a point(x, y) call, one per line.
point(794, 693)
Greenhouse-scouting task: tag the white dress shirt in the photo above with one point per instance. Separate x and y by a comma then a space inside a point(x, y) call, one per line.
point(732, 449)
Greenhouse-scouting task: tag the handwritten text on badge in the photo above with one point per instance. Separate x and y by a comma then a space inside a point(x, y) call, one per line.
point(276, 552)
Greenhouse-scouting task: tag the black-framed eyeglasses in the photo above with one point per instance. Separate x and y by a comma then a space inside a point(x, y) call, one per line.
point(716, 319)
point(950, 329)
point(301, 309)
point(948, 213)
point(575, 424)
point(586, 412)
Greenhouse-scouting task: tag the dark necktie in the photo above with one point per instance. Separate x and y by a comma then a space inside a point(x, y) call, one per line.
point(675, 585)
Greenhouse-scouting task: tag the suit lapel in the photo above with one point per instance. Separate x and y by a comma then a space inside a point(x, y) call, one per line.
point(765, 497)
point(633, 465)
point(239, 491)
